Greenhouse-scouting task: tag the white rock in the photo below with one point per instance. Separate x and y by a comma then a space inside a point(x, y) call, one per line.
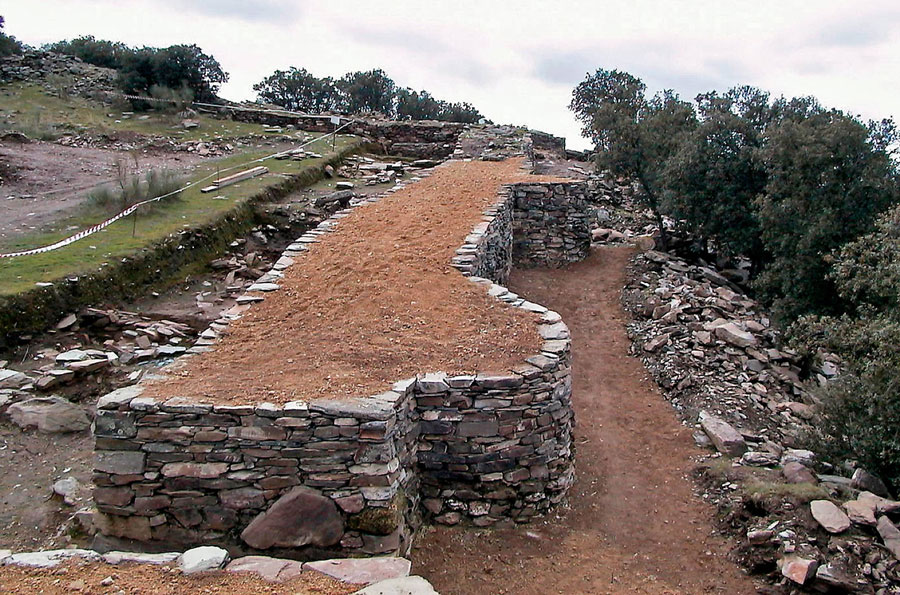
point(49, 558)
point(201, 559)
point(119, 557)
point(410, 585)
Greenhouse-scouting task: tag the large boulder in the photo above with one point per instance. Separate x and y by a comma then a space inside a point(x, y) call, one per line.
point(49, 414)
point(829, 516)
point(300, 517)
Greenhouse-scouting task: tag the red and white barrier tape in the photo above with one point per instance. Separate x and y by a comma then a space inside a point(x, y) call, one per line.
point(92, 230)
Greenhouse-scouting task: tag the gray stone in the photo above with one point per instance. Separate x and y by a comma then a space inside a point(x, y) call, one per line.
point(119, 462)
point(49, 414)
point(733, 334)
point(362, 571)
point(88, 365)
point(66, 488)
point(300, 517)
point(73, 355)
point(432, 383)
point(890, 535)
point(726, 439)
point(202, 559)
point(798, 569)
point(829, 516)
point(271, 569)
point(12, 379)
point(410, 585)
point(864, 481)
point(139, 557)
point(797, 473)
point(861, 512)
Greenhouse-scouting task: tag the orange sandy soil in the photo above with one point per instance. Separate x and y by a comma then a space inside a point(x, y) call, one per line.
point(134, 579)
point(372, 303)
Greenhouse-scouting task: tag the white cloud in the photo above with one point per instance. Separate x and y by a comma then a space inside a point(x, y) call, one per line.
point(516, 61)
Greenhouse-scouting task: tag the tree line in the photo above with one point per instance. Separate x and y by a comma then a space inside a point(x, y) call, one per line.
point(187, 73)
point(372, 91)
point(810, 196)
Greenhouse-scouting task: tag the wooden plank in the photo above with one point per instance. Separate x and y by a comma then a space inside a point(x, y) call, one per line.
point(235, 178)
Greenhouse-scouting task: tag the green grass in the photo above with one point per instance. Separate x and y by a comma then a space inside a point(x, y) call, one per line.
point(22, 105)
point(191, 209)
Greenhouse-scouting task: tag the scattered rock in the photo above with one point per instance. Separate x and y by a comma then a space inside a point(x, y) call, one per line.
point(829, 516)
point(50, 558)
point(49, 415)
point(795, 472)
point(726, 439)
point(12, 379)
point(66, 488)
point(865, 481)
point(798, 569)
point(890, 535)
point(861, 512)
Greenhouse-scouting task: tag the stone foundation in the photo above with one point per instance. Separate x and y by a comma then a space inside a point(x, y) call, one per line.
point(358, 476)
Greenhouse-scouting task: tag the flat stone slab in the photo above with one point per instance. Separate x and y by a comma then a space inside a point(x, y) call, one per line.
point(362, 571)
point(726, 439)
point(49, 558)
point(276, 570)
point(410, 585)
point(49, 415)
point(121, 557)
point(202, 559)
point(829, 516)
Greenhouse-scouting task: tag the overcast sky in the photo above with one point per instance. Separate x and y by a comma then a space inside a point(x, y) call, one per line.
point(516, 61)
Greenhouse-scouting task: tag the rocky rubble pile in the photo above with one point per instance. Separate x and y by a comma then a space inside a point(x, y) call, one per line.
point(807, 523)
point(57, 72)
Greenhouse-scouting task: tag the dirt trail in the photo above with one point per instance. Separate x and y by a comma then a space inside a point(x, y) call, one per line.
point(633, 525)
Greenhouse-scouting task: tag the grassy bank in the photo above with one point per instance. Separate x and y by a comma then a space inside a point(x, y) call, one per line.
point(117, 263)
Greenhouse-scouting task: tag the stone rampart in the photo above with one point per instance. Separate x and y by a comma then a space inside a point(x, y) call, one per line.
point(356, 476)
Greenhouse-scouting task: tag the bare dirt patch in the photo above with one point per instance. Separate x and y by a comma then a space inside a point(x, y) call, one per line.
point(633, 524)
point(44, 181)
point(136, 579)
point(373, 303)
point(30, 518)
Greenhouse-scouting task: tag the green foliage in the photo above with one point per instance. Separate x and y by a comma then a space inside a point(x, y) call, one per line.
point(99, 52)
point(131, 188)
point(635, 136)
point(175, 67)
point(297, 90)
point(826, 183)
point(9, 45)
point(860, 420)
point(358, 93)
point(712, 181)
point(140, 70)
point(363, 92)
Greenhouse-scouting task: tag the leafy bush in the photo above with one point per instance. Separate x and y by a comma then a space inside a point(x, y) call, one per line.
point(99, 52)
point(860, 420)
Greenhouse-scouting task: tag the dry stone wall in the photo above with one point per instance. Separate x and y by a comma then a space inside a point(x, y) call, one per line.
point(551, 224)
point(354, 476)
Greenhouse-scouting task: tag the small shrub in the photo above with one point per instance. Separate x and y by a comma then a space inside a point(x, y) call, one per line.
point(860, 419)
point(129, 189)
